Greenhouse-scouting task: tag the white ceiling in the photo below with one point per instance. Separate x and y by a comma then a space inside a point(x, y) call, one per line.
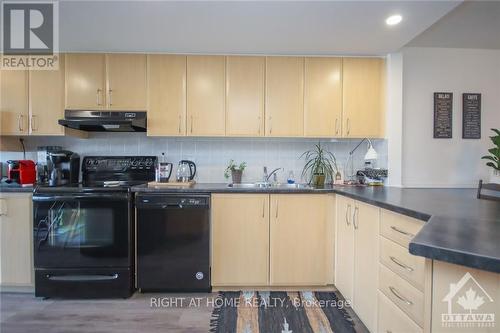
point(262, 27)
point(473, 24)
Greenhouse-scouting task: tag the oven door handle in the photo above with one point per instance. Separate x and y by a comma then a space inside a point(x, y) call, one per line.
point(89, 196)
point(82, 278)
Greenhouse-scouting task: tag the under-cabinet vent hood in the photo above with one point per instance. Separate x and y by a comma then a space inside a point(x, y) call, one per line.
point(105, 121)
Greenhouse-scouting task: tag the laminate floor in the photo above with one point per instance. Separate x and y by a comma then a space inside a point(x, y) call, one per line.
point(23, 313)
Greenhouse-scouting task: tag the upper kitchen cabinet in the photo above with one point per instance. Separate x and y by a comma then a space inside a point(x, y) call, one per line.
point(126, 81)
point(167, 95)
point(323, 97)
point(245, 96)
point(14, 102)
point(363, 100)
point(206, 83)
point(46, 95)
point(85, 81)
point(284, 96)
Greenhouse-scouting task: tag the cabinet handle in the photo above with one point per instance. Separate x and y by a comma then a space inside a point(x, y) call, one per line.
point(402, 232)
point(191, 124)
point(356, 210)
point(263, 207)
point(398, 295)
point(110, 94)
point(20, 122)
point(270, 125)
point(348, 126)
point(33, 123)
point(98, 96)
point(347, 214)
point(3, 207)
point(336, 126)
point(180, 120)
point(400, 264)
point(277, 208)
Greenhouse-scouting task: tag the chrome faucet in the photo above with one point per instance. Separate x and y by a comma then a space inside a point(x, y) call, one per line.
point(271, 173)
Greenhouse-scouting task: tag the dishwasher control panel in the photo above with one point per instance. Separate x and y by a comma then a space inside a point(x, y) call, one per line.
point(172, 201)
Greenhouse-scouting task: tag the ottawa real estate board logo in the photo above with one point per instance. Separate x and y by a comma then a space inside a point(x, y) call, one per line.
point(30, 35)
point(467, 301)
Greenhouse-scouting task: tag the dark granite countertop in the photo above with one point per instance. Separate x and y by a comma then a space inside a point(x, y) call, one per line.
point(5, 187)
point(460, 228)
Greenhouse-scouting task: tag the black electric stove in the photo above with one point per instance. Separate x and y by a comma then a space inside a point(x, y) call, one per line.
point(83, 233)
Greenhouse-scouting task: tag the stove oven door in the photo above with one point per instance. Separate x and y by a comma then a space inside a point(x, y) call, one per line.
point(91, 230)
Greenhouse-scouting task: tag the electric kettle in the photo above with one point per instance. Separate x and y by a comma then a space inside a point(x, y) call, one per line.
point(186, 170)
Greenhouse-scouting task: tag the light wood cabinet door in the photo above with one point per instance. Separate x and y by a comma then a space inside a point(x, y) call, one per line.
point(240, 239)
point(457, 292)
point(206, 83)
point(366, 228)
point(16, 261)
point(14, 102)
point(298, 235)
point(47, 101)
point(363, 100)
point(344, 266)
point(245, 96)
point(167, 95)
point(392, 319)
point(127, 82)
point(285, 96)
point(85, 81)
point(323, 97)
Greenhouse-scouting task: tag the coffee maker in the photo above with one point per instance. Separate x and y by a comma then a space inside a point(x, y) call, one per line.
point(63, 167)
point(42, 163)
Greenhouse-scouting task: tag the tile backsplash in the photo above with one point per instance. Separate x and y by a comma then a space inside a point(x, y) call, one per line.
point(211, 155)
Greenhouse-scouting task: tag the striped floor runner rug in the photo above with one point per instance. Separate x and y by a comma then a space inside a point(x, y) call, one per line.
point(280, 312)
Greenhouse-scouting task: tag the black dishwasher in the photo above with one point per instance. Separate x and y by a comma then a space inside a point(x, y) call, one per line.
point(173, 242)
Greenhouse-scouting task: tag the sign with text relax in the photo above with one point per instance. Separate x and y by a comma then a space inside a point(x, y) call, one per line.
point(30, 35)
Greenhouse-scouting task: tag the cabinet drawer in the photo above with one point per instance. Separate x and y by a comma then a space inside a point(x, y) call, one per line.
point(404, 295)
point(399, 228)
point(400, 261)
point(392, 319)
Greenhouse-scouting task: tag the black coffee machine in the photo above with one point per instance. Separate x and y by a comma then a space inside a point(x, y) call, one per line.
point(63, 167)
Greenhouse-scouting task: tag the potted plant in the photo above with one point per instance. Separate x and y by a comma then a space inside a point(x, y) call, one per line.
point(494, 157)
point(235, 170)
point(320, 164)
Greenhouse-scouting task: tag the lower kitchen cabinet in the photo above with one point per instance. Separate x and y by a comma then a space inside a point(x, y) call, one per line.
point(278, 240)
point(240, 239)
point(298, 225)
point(356, 274)
point(16, 261)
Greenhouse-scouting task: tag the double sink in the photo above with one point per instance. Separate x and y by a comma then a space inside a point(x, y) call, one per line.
point(264, 186)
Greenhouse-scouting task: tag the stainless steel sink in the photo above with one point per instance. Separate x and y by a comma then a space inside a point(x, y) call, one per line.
point(247, 185)
point(293, 186)
point(272, 186)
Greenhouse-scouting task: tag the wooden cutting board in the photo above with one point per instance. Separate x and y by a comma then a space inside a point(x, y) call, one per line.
point(172, 184)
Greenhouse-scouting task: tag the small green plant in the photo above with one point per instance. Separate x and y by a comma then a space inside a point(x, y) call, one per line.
point(232, 166)
point(494, 158)
point(320, 163)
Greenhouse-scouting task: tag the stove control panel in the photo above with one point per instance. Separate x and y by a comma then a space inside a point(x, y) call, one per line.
point(118, 163)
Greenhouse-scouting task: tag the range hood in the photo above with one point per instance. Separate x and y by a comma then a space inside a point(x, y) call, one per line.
point(105, 121)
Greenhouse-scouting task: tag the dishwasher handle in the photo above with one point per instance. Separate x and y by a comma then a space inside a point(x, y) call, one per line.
point(172, 202)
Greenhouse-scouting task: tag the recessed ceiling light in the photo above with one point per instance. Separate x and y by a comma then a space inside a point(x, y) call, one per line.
point(393, 19)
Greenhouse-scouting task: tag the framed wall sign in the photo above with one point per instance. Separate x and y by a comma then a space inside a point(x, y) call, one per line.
point(471, 116)
point(443, 115)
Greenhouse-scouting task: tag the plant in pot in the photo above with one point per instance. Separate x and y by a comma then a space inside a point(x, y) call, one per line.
point(320, 164)
point(494, 157)
point(235, 171)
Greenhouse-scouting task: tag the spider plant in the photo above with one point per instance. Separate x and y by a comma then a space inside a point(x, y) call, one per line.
point(320, 164)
